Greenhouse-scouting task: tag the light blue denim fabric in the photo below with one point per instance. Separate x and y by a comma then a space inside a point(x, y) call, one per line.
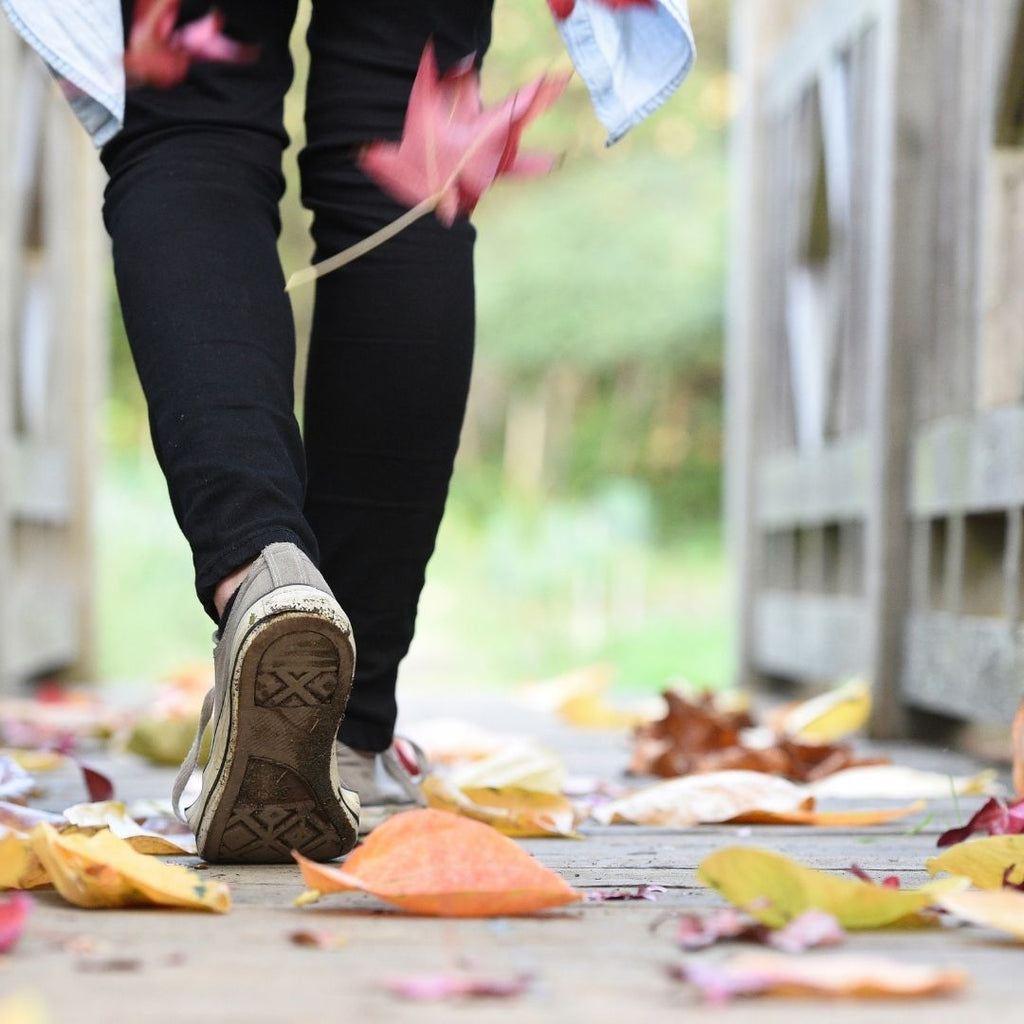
point(82, 43)
point(631, 59)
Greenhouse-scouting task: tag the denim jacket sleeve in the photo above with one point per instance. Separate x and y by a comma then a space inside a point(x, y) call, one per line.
point(631, 58)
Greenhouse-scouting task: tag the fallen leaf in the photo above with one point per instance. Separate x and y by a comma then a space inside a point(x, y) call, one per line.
point(104, 871)
point(98, 786)
point(24, 819)
point(641, 892)
point(113, 815)
point(896, 782)
point(16, 784)
point(775, 889)
point(1018, 751)
point(318, 938)
point(890, 882)
point(829, 819)
point(430, 987)
point(160, 54)
point(19, 866)
point(696, 799)
point(23, 1008)
point(512, 810)
point(984, 861)
point(14, 911)
point(829, 716)
point(1002, 911)
point(809, 930)
point(523, 765)
point(435, 863)
point(35, 761)
point(994, 817)
point(825, 976)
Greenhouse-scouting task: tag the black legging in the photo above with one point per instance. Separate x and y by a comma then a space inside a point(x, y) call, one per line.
point(192, 208)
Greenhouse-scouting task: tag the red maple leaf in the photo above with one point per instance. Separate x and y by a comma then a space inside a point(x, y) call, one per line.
point(452, 147)
point(160, 54)
point(561, 9)
point(995, 817)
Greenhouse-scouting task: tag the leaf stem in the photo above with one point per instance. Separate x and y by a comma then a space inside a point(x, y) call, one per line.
point(353, 252)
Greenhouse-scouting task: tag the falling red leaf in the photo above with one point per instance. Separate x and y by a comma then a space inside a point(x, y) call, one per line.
point(561, 9)
point(14, 912)
point(457, 986)
point(160, 54)
point(995, 817)
point(452, 147)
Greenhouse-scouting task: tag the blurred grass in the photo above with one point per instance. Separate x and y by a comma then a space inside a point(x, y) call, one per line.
point(520, 593)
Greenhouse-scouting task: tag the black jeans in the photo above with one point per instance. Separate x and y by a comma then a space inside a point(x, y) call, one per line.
point(192, 209)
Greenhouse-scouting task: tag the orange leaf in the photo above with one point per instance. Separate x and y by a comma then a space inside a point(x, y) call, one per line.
point(833, 819)
point(436, 863)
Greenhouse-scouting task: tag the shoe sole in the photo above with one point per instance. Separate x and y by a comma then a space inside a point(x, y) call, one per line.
point(272, 791)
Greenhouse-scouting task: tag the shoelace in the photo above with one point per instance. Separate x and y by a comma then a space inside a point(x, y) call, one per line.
point(188, 766)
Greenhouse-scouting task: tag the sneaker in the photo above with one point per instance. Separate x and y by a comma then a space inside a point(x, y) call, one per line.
point(283, 667)
point(387, 783)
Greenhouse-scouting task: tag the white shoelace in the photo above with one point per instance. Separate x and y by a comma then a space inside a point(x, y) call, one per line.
point(188, 766)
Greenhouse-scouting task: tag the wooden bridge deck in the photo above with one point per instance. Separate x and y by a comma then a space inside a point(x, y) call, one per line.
point(595, 961)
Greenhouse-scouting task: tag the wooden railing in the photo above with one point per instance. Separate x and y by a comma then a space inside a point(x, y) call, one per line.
point(876, 356)
point(54, 295)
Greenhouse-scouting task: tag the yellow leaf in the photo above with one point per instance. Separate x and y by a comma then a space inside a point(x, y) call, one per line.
point(435, 863)
point(19, 866)
point(1002, 910)
point(712, 797)
point(511, 810)
point(113, 815)
point(104, 871)
point(775, 889)
point(983, 861)
point(830, 716)
point(35, 761)
point(23, 1008)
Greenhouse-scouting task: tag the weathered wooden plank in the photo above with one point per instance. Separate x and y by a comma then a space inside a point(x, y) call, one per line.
point(816, 486)
point(809, 636)
point(963, 666)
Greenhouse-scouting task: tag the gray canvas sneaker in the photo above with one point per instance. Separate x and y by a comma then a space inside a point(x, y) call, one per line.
point(387, 783)
point(282, 674)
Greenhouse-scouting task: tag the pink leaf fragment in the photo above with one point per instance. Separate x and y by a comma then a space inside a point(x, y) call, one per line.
point(995, 817)
point(24, 819)
point(433, 987)
point(641, 892)
point(160, 54)
point(14, 912)
point(810, 930)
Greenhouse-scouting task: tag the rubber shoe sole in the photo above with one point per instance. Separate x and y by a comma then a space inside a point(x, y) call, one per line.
point(272, 789)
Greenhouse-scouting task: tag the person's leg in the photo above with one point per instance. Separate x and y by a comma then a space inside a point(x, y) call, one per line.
point(192, 210)
point(392, 340)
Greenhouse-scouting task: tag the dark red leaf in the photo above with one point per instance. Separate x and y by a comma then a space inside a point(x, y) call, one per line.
point(452, 147)
point(995, 817)
point(98, 785)
point(890, 882)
